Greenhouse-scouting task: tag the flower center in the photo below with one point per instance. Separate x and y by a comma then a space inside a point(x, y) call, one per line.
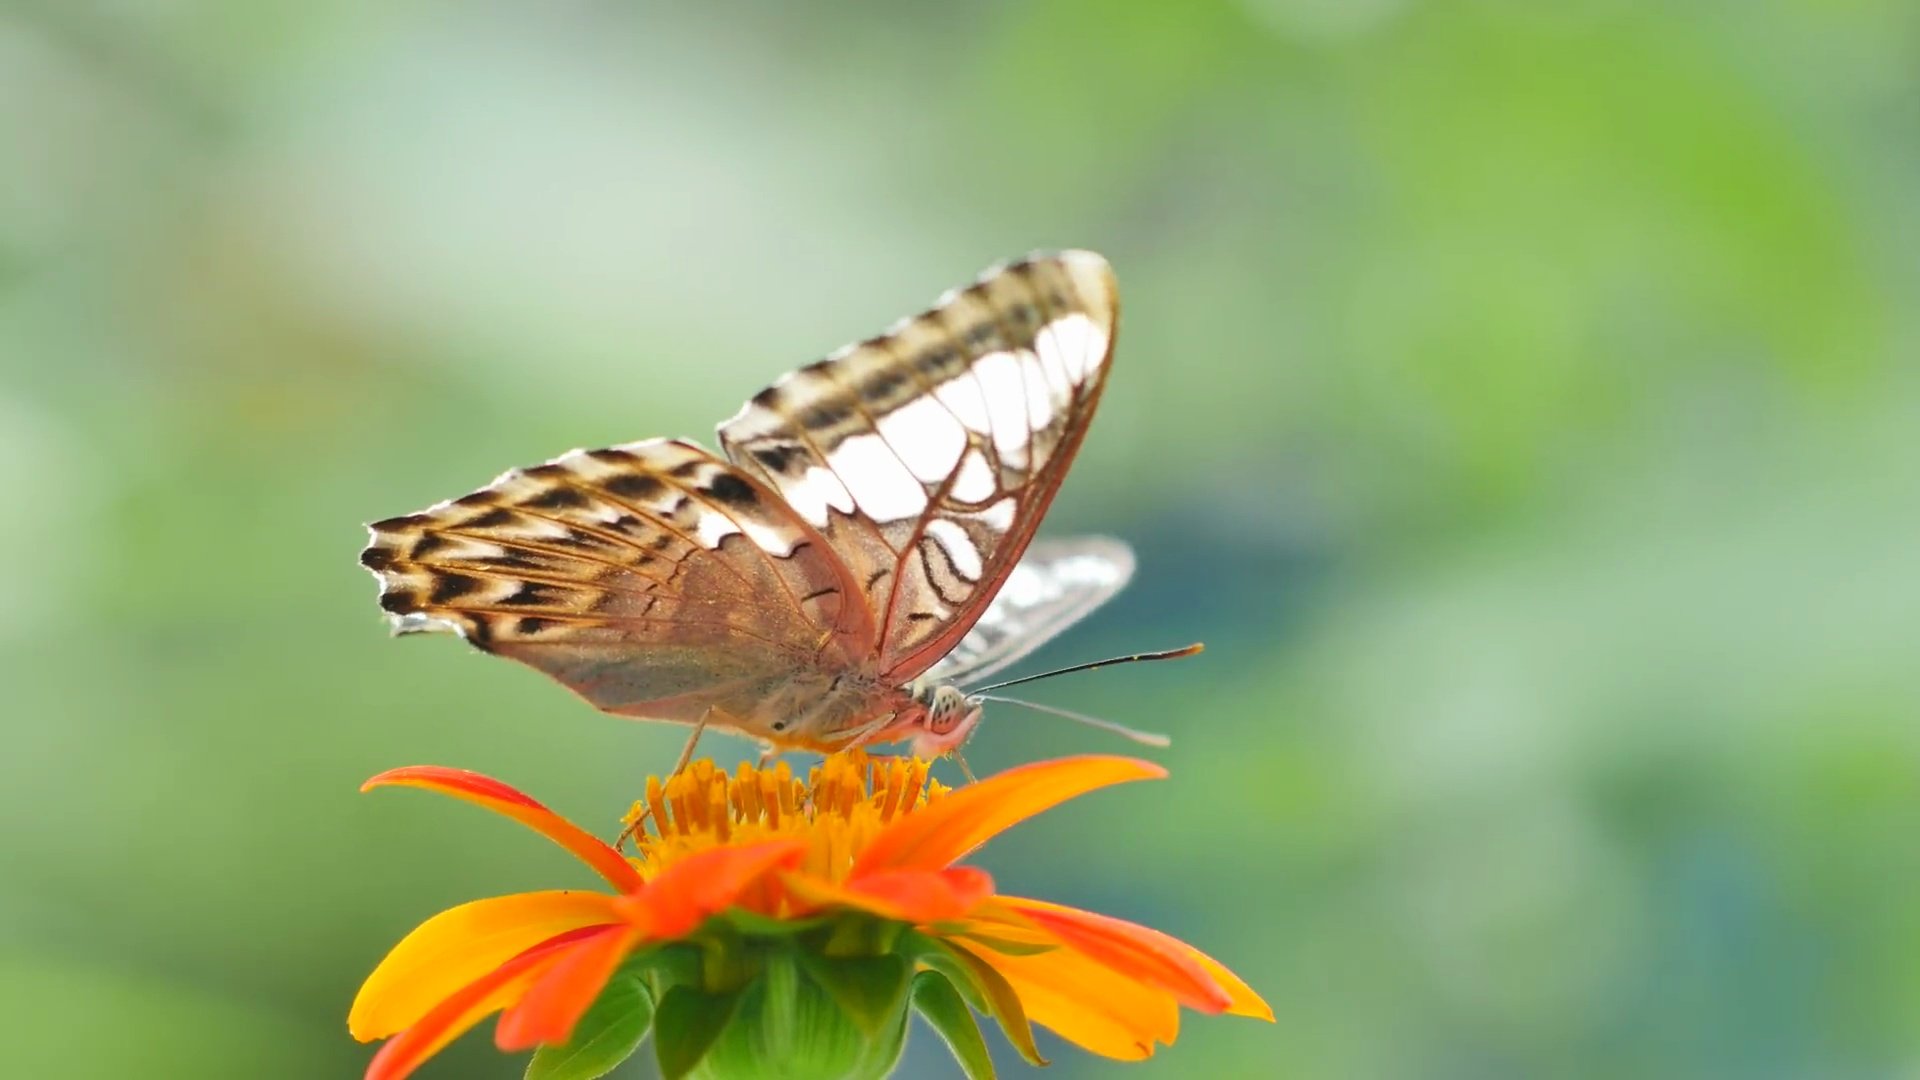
point(842, 804)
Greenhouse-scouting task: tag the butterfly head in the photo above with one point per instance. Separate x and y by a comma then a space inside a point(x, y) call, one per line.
point(950, 719)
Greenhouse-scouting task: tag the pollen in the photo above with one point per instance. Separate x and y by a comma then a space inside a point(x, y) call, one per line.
point(837, 809)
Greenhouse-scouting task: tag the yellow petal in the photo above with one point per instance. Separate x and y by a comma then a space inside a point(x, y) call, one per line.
point(467, 1006)
point(1144, 955)
point(458, 946)
point(1087, 1003)
point(946, 829)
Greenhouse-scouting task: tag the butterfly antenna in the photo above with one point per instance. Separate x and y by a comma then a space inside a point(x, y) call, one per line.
point(1144, 738)
point(1168, 654)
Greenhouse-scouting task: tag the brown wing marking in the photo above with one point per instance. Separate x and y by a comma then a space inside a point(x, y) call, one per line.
point(654, 579)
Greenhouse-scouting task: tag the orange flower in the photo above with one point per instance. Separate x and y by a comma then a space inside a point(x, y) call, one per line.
point(759, 905)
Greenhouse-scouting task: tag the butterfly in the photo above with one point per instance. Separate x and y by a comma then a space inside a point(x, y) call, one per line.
point(863, 541)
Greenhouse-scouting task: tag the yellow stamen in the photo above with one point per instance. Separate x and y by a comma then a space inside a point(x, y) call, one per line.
point(838, 809)
point(657, 798)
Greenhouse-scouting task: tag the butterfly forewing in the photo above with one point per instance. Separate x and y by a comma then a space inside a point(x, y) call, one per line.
point(1056, 584)
point(927, 456)
point(654, 579)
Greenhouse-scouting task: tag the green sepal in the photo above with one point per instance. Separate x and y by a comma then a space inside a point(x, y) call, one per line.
point(608, 1034)
point(861, 934)
point(996, 997)
point(663, 968)
point(789, 1025)
point(729, 960)
point(775, 1003)
point(685, 1026)
point(753, 923)
point(923, 952)
point(872, 990)
point(947, 1012)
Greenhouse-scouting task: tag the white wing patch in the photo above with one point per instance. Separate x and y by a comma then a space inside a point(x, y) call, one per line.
point(959, 547)
point(816, 492)
point(999, 377)
point(713, 528)
point(1000, 514)
point(1039, 405)
point(1075, 340)
point(927, 437)
point(878, 479)
point(974, 482)
point(963, 397)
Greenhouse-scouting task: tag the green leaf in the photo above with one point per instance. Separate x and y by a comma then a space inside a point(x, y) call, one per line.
point(607, 1035)
point(686, 1025)
point(870, 989)
point(947, 1011)
point(1002, 1003)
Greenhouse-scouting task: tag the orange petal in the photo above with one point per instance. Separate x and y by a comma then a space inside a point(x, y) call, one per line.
point(1242, 1000)
point(914, 896)
point(941, 832)
point(1087, 1003)
point(460, 945)
point(1001, 918)
point(502, 799)
point(467, 1006)
point(550, 1008)
point(690, 890)
point(1145, 955)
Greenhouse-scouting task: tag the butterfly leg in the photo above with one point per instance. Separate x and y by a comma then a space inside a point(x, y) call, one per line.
point(686, 758)
point(693, 740)
point(632, 827)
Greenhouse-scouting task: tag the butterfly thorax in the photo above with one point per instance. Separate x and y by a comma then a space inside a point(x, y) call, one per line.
point(816, 710)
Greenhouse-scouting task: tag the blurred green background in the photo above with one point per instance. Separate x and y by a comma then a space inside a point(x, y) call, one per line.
point(1519, 399)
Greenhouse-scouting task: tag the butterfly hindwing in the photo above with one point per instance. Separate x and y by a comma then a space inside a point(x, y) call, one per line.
point(654, 579)
point(927, 456)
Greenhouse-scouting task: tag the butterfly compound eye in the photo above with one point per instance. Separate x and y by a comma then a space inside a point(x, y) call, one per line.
point(948, 710)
